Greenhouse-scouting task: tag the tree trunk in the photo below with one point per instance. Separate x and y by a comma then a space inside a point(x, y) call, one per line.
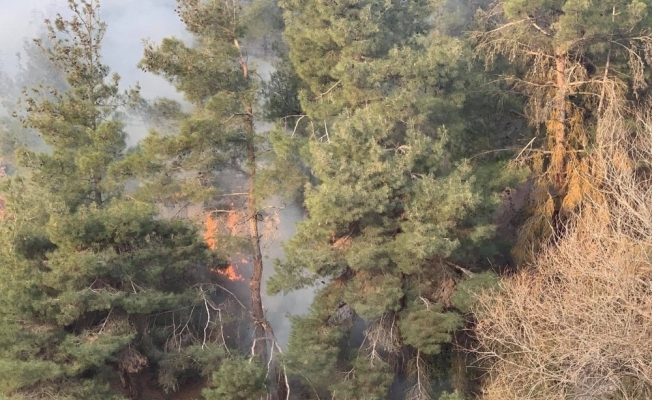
point(263, 334)
point(96, 191)
point(260, 323)
point(557, 122)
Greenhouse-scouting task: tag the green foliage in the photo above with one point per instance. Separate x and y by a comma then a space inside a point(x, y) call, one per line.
point(286, 173)
point(451, 396)
point(185, 362)
point(426, 328)
point(77, 125)
point(237, 379)
point(463, 298)
point(313, 349)
point(392, 133)
point(281, 94)
point(183, 166)
point(390, 204)
point(94, 280)
point(217, 143)
point(331, 43)
point(368, 380)
point(70, 390)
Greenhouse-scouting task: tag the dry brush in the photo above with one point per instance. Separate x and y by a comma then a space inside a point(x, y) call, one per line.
point(577, 323)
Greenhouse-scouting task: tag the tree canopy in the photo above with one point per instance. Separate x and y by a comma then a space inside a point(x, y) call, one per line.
point(469, 180)
point(94, 279)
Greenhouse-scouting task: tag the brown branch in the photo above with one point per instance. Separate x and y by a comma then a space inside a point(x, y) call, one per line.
point(534, 24)
point(329, 89)
point(461, 269)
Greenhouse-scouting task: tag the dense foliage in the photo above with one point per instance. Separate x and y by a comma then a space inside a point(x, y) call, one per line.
point(475, 180)
point(94, 280)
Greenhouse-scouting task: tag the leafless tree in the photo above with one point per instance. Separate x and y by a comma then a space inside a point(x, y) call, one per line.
point(577, 324)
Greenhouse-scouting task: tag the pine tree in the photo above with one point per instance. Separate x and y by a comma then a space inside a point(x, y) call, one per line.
point(382, 232)
point(237, 379)
point(94, 282)
point(575, 60)
point(331, 43)
point(33, 70)
point(219, 134)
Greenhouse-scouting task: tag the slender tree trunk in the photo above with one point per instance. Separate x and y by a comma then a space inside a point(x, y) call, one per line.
point(263, 334)
point(260, 346)
point(260, 323)
point(557, 124)
point(96, 191)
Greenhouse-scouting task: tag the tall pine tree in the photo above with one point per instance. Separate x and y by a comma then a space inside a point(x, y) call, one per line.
point(382, 229)
point(218, 135)
point(95, 284)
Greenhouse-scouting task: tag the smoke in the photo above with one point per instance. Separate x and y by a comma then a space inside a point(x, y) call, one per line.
point(278, 225)
point(279, 307)
point(18, 21)
point(130, 22)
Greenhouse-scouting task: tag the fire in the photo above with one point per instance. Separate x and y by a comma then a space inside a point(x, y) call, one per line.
point(211, 230)
point(232, 221)
point(230, 273)
point(210, 238)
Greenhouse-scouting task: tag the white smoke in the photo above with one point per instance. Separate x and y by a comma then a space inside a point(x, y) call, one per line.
point(130, 22)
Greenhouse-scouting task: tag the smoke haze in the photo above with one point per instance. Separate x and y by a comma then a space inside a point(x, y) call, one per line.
point(294, 303)
point(130, 22)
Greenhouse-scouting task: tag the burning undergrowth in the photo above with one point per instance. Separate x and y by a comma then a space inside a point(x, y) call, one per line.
point(227, 228)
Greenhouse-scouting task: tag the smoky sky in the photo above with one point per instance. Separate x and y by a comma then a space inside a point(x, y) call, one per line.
point(129, 23)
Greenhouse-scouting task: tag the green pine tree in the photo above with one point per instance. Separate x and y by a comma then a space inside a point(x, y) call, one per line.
point(237, 379)
point(96, 286)
point(217, 135)
point(331, 43)
point(389, 212)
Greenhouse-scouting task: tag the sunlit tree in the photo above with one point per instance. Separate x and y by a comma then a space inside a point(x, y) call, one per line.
point(387, 203)
point(574, 60)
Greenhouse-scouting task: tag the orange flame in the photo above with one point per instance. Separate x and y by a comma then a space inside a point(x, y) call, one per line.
point(212, 225)
point(232, 221)
point(211, 230)
point(230, 273)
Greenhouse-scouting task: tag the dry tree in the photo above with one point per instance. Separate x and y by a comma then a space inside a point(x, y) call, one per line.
point(570, 71)
point(577, 324)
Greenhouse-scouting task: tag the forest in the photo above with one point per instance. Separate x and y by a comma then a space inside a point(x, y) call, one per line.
point(347, 200)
